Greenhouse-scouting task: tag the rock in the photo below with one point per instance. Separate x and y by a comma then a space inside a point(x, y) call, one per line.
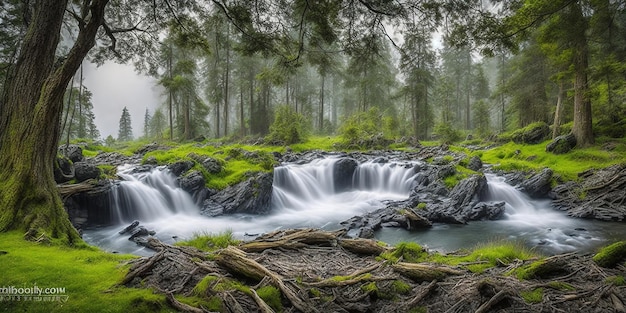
point(91, 208)
point(467, 192)
point(416, 221)
point(562, 144)
point(129, 228)
point(72, 152)
point(151, 147)
point(213, 166)
point(366, 232)
point(446, 171)
point(538, 185)
point(192, 182)
point(532, 134)
point(487, 210)
point(252, 196)
point(475, 164)
point(151, 161)
point(343, 170)
point(180, 167)
point(140, 232)
point(115, 158)
point(63, 169)
point(84, 171)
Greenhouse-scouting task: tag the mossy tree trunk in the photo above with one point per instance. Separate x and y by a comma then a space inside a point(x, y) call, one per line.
point(30, 122)
point(582, 128)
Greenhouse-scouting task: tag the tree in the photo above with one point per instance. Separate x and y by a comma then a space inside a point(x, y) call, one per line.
point(146, 124)
point(157, 125)
point(125, 132)
point(29, 121)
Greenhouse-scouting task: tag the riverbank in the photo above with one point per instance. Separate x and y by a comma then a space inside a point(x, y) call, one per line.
point(310, 271)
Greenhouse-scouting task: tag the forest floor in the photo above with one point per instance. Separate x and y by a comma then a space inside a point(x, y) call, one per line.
point(309, 270)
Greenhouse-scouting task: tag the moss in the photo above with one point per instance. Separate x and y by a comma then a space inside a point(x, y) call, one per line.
point(532, 296)
point(616, 280)
point(271, 296)
point(400, 287)
point(408, 251)
point(206, 241)
point(211, 304)
point(421, 206)
point(486, 256)
point(562, 286)
point(611, 255)
point(89, 276)
point(108, 171)
point(204, 285)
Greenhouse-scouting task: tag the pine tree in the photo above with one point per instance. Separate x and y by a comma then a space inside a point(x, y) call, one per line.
point(146, 124)
point(126, 131)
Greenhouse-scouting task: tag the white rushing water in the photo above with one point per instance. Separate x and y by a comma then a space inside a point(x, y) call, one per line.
point(303, 196)
point(531, 222)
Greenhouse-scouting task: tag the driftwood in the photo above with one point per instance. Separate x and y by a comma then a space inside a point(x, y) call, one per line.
point(67, 190)
point(318, 272)
point(362, 246)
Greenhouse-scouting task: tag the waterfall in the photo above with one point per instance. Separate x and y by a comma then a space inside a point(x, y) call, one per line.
point(148, 196)
point(311, 187)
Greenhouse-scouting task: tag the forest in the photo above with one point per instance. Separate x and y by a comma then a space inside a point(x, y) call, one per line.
point(316, 156)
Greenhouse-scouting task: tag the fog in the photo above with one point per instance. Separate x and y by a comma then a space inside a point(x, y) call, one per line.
point(116, 86)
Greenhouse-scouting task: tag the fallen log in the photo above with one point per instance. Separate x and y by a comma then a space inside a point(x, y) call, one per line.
point(363, 246)
point(238, 263)
point(424, 272)
point(292, 240)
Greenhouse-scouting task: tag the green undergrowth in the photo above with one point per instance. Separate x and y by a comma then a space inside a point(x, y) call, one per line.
point(238, 161)
point(209, 242)
point(88, 276)
point(521, 157)
point(532, 296)
point(477, 260)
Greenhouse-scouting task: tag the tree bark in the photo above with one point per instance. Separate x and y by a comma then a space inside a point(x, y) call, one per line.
point(558, 113)
point(581, 129)
point(30, 123)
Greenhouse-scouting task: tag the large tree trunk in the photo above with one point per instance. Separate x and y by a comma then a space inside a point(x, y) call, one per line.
point(581, 129)
point(30, 123)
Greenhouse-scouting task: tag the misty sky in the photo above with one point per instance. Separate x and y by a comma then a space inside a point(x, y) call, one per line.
point(116, 86)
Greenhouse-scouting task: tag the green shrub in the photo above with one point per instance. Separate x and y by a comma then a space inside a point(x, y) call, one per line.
point(446, 133)
point(289, 127)
point(368, 130)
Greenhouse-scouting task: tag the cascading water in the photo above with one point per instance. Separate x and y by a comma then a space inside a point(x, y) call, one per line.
point(304, 195)
point(147, 196)
point(529, 221)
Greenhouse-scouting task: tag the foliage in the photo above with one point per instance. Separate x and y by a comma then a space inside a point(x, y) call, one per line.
point(366, 130)
point(206, 241)
point(512, 156)
point(446, 133)
point(88, 275)
point(289, 127)
point(125, 132)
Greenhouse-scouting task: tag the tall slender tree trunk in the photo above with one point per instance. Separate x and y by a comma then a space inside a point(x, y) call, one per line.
point(170, 93)
point(226, 81)
point(558, 112)
point(30, 123)
point(321, 117)
point(242, 121)
point(582, 128)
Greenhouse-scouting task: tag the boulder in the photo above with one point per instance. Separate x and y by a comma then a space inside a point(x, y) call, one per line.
point(180, 167)
point(84, 171)
point(343, 170)
point(63, 169)
point(487, 211)
point(252, 196)
point(562, 144)
point(475, 164)
point(72, 152)
point(192, 182)
point(532, 134)
point(212, 166)
point(538, 185)
point(366, 232)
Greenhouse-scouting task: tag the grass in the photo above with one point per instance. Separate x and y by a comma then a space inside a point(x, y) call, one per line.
point(236, 166)
point(477, 261)
point(88, 275)
point(209, 242)
point(512, 156)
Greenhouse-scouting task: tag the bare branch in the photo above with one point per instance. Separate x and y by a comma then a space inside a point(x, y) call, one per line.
point(111, 36)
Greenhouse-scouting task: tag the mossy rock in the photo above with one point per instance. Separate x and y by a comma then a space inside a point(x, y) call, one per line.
point(611, 255)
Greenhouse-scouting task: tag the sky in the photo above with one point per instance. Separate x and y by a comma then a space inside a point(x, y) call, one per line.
point(115, 86)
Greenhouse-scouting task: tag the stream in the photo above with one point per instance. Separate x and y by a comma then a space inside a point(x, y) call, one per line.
point(305, 195)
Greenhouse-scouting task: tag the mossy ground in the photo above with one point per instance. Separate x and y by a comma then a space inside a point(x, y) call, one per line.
point(88, 275)
point(512, 156)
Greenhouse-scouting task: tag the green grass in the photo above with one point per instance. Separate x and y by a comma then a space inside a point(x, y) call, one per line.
point(206, 241)
point(88, 275)
point(271, 295)
point(512, 156)
point(236, 167)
